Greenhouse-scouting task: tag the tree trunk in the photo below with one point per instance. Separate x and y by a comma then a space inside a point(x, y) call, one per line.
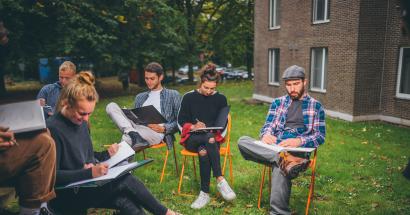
point(2, 85)
point(249, 50)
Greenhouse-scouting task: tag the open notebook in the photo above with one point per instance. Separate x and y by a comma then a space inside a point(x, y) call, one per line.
point(220, 121)
point(22, 116)
point(113, 173)
point(278, 149)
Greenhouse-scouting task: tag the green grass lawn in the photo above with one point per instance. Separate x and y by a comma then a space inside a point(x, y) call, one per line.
point(358, 171)
point(359, 166)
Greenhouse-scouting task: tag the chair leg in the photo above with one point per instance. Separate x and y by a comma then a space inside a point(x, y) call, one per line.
point(193, 161)
point(261, 187)
point(230, 169)
point(143, 153)
point(270, 179)
point(182, 175)
point(311, 188)
point(224, 165)
point(176, 162)
point(165, 165)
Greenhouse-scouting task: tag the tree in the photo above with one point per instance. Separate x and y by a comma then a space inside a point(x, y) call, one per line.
point(232, 36)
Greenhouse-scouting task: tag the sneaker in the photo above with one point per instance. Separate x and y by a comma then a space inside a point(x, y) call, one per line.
point(226, 191)
point(202, 200)
point(45, 211)
point(137, 139)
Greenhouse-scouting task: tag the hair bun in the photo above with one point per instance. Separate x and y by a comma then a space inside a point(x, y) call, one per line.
point(86, 77)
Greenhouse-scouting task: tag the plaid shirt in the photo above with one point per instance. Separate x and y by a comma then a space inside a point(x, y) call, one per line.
point(314, 132)
point(170, 102)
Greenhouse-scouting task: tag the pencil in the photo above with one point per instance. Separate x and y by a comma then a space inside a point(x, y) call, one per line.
point(106, 146)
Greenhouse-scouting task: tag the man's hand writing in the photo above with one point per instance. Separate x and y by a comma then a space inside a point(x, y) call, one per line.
point(291, 143)
point(157, 128)
point(268, 139)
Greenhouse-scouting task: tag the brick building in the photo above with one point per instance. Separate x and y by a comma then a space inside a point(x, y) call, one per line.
point(356, 56)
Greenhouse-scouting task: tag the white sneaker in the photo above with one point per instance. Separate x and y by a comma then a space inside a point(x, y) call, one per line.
point(202, 200)
point(226, 191)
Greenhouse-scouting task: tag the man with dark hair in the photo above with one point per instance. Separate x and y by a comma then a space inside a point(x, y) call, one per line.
point(294, 120)
point(166, 101)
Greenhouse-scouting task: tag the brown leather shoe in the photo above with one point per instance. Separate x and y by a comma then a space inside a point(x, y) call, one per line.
point(291, 165)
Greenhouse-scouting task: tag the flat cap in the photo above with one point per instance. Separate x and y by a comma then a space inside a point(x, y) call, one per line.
point(294, 72)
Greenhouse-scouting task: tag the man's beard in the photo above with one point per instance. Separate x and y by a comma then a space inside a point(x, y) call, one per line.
point(298, 96)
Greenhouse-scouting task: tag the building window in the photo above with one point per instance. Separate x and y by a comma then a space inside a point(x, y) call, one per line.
point(274, 66)
point(318, 69)
point(403, 79)
point(274, 18)
point(320, 11)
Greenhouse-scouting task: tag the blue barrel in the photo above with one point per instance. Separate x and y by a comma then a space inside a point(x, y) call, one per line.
point(44, 69)
point(48, 68)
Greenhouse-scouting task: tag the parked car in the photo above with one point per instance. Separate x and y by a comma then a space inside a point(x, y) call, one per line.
point(220, 70)
point(184, 70)
point(235, 74)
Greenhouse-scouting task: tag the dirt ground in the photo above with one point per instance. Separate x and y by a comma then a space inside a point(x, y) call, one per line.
point(28, 90)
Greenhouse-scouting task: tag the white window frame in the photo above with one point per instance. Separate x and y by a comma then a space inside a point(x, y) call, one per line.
point(273, 15)
point(312, 66)
point(272, 65)
point(399, 73)
point(314, 13)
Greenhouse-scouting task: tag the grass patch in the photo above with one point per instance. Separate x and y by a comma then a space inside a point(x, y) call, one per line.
point(359, 166)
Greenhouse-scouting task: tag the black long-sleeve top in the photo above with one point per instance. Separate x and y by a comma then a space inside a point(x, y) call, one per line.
point(74, 149)
point(204, 108)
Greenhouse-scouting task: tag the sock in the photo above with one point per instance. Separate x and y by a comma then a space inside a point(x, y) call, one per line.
point(29, 211)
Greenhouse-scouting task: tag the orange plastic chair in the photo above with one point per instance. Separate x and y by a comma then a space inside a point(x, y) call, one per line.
point(312, 166)
point(223, 151)
point(162, 145)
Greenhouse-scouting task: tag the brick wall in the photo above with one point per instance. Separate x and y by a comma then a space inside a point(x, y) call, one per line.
point(339, 36)
point(371, 38)
point(391, 105)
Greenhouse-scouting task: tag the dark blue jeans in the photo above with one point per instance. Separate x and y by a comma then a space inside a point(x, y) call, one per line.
point(127, 194)
point(200, 141)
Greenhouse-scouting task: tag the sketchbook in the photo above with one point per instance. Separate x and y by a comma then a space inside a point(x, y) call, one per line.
point(113, 173)
point(219, 124)
point(22, 116)
point(144, 115)
point(124, 152)
point(278, 149)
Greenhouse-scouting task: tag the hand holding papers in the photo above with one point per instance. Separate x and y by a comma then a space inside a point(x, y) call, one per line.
point(277, 149)
point(113, 173)
point(144, 115)
point(124, 151)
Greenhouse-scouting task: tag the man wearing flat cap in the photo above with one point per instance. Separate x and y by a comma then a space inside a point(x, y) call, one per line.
point(293, 120)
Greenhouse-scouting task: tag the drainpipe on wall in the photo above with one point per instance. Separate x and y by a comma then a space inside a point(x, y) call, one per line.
point(384, 58)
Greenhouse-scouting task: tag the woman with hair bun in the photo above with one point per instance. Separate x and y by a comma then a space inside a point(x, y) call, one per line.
point(200, 109)
point(77, 161)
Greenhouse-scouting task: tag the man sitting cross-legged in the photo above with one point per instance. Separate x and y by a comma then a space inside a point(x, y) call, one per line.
point(294, 120)
point(166, 101)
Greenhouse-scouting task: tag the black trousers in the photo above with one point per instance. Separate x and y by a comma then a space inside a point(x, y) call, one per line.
point(200, 141)
point(127, 194)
